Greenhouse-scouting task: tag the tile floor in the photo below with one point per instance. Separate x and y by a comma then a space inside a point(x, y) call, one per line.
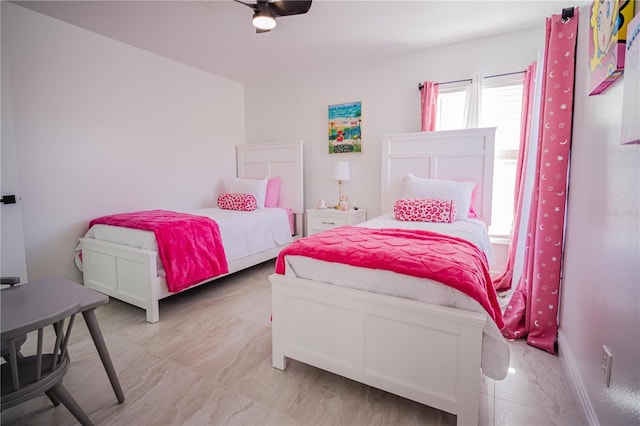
point(208, 361)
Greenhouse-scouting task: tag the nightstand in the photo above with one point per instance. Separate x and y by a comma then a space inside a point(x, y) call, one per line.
point(319, 220)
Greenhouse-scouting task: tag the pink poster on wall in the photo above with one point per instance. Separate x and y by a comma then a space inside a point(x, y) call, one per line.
point(608, 26)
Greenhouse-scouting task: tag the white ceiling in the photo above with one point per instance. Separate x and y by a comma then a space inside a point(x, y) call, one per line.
point(217, 36)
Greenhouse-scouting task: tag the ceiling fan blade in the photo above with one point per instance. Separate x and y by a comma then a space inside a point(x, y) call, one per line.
point(289, 7)
point(252, 6)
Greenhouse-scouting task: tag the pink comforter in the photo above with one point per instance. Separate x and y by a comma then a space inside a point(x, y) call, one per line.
point(189, 246)
point(449, 260)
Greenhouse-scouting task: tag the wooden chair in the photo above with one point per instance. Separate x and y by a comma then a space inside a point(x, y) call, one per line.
point(11, 281)
point(28, 376)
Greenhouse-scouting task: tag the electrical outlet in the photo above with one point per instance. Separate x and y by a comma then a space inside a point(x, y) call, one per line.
point(607, 358)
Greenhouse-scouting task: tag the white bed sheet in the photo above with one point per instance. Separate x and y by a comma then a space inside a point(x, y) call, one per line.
point(495, 351)
point(473, 230)
point(243, 233)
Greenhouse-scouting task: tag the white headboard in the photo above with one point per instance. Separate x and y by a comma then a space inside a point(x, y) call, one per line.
point(284, 159)
point(460, 155)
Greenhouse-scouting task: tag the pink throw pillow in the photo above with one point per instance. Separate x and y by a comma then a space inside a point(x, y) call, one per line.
point(273, 192)
point(425, 210)
point(241, 202)
point(472, 209)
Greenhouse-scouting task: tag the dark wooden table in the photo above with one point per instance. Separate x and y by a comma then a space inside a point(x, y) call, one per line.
point(26, 304)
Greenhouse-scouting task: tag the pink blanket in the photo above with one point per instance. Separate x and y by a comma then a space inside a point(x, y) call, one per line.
point(449, 260)
point(189, 246)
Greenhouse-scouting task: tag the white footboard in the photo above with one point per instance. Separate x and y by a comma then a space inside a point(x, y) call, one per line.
point(131, 274)
point(126, 273)
point(427, 353)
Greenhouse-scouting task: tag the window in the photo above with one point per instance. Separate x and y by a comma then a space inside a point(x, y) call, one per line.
point(450, 108)
point(500, 107)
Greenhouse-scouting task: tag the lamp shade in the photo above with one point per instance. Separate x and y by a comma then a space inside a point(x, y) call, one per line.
point(341, 171)
point(264, 21)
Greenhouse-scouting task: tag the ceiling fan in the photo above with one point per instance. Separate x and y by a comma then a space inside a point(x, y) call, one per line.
point(265, 11)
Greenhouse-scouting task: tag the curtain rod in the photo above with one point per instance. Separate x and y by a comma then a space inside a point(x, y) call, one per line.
point(567, 14)
point(421, 85)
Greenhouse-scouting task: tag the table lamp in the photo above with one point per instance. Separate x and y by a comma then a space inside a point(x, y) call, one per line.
point(341, 172)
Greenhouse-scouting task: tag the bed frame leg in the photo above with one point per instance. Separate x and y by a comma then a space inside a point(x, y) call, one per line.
point(279, 362)
point(469, 404)
point(277, 324)
point(153, 312)
point(277, 354)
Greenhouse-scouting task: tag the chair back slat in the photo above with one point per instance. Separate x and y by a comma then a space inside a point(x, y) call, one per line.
point(39, 354)
point(56, 346)
point(63, 348)
point(13, 359)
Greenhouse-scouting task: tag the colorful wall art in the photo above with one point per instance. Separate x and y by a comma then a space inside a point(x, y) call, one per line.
point(631, 93)
point(345, 134)
point(609, 20)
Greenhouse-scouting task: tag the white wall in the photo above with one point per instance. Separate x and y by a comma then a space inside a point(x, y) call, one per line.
point(601, 291)
point(102, 127)
point(295, 107)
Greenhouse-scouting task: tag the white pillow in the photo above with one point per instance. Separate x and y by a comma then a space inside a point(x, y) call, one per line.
point(460, 192)
point(255, 187)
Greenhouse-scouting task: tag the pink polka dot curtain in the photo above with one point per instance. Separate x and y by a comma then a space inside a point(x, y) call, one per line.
point(532, 311)
point(428, 105)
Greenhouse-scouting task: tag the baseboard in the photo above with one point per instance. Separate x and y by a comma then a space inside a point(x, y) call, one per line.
point(569, 363)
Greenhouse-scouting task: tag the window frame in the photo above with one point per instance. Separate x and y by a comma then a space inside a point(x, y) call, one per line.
point(503, 80)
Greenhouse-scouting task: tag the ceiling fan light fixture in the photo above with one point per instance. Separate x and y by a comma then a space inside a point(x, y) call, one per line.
point(264, 20)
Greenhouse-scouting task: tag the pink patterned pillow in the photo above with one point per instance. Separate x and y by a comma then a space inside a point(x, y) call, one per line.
point(425, 210)
point(242, 202)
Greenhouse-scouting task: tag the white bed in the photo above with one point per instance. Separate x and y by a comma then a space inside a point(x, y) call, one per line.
point(332, 316)
point(123, 263)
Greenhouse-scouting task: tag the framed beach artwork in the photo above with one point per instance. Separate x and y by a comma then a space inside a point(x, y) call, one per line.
point(345, 134)
point(608, 31)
